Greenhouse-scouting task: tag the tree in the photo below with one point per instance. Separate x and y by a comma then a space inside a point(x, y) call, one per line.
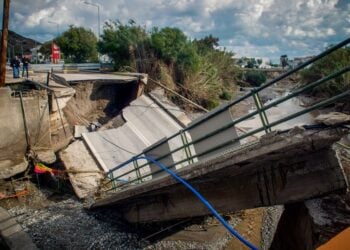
point(78, 44)
point(121, 42)
point(172, 46)
point(335, 61)
point(255, 78)
point(259, 61)
point(168, 43)
point(207, 43)
point(251, 63)
point(197, 69)
point(284, 61)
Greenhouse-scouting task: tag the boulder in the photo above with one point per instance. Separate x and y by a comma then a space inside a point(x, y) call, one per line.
point(332, 118)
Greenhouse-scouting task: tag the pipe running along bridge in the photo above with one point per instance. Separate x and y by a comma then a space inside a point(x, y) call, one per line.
point(230, 168)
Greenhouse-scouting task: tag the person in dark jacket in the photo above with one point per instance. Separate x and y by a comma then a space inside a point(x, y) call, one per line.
point(25, 63)
point(15, 64)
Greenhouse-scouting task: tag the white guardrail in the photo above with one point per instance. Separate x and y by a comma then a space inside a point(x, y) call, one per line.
point(61, 67)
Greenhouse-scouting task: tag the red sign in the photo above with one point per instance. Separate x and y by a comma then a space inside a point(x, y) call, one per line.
point(55, 53)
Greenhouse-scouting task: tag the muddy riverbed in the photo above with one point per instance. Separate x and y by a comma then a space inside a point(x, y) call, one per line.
point(56, 220)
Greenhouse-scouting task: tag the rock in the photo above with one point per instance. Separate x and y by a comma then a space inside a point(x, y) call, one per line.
point(332, 118)
point(83, 171)
point(270, 138)
point(79, 130)
point(297, 131)
point(46, 156)
point(10, 168)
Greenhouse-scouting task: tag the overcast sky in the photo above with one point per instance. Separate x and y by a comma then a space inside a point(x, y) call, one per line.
point(258, 28)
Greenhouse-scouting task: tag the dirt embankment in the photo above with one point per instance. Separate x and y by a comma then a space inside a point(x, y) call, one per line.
point(97, 102)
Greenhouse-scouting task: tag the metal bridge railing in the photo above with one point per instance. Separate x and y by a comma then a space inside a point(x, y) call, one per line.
point(140, 172)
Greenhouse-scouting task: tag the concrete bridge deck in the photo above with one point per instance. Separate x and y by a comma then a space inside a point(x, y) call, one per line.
point(275, 170)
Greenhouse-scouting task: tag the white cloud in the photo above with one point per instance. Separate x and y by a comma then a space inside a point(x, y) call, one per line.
point(251, 27)
point(36, 18)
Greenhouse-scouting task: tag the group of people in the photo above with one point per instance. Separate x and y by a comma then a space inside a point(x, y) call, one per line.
point(16, 64)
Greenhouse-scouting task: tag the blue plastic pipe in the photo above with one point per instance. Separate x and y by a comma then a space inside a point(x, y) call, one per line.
point(201, 198)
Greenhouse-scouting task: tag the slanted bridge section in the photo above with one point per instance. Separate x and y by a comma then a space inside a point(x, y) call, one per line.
point(232, 172)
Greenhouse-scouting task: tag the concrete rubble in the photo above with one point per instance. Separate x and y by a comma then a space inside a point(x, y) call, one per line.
point(77, 96)
point(84, 173)
point(25, 121)
point(145, 124)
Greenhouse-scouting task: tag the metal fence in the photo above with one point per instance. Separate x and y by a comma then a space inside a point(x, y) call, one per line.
point(136, 171)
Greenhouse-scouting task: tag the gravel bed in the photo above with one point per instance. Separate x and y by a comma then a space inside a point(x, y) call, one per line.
point(67, 225)
point(60, 221)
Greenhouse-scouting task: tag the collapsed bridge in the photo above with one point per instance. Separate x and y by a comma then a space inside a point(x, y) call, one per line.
point(228, 165)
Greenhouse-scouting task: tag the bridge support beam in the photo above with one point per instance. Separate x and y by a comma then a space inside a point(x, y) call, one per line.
point(277, 170)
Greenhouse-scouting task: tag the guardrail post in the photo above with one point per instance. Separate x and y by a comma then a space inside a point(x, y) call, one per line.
point(259, 105)
point(111, 176)
point(137, 170)
point(186, 147)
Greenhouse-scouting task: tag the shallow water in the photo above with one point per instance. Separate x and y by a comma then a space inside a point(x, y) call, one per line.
point(278, 112)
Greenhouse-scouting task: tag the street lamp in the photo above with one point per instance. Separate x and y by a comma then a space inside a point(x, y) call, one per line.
point(98, 15)
point(57, 25)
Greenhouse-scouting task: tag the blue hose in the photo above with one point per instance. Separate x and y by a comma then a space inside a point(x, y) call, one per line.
point(202, 199)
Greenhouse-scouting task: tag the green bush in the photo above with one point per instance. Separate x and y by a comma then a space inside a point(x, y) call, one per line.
point(225, 95)
point(328, 65)
point(196, 69)
point(255, 78)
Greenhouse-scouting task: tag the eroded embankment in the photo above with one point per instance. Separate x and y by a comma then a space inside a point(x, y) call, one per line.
point(97, 102)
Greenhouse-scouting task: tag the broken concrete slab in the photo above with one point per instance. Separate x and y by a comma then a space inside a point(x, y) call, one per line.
point(79, 130)
point(25, 122)
point(209, 126)
point(8, 167)
point(61, 134)
point(47, 156)
point(146, 124)
point(83, 171)
point(13, 234)
point(158, 96)
point(149, 121)
point(105, 78)
point(152, 124)
point(257, 175)
point(62, 95)
point(114, 146)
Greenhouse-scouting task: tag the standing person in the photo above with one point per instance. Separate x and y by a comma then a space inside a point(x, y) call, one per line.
point(15, 64)
point(25, 62)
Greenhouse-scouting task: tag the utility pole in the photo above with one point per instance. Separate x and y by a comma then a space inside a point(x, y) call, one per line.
point(3, 50)
point(98, 23)
point(98, 16)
